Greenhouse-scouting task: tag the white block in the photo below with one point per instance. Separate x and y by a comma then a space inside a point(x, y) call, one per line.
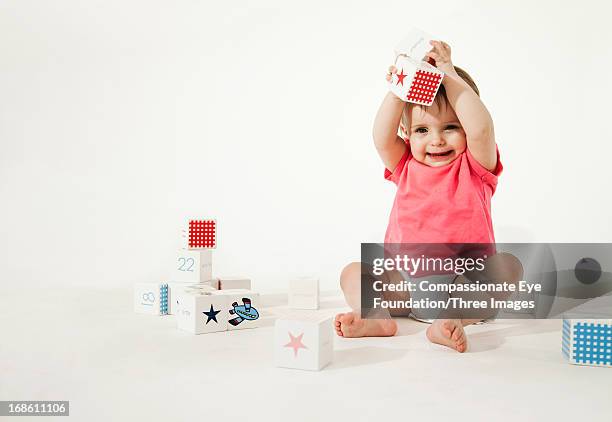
point(303, 342)
point(201, 313)
point(415, 44)
point(214, 283)
point(174, 288)
point(193, 265)
point(151, 298)
point(242, 308)
point(415, 81)
point(234, 282)
point(198, 234)
point(304, 293)
point(587, 341)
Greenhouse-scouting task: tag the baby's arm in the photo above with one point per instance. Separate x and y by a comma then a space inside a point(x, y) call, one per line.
point(472, 113)
point(390, 147)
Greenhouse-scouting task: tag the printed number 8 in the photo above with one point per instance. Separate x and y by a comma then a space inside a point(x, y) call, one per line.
point(186, 261)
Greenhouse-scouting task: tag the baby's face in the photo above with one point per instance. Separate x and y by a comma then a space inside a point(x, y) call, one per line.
point(436, 136)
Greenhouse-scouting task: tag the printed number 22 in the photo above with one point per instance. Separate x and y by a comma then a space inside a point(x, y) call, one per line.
point(186, 264)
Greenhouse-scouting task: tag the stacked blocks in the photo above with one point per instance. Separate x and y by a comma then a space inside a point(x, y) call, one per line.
point(587, 341)
point(416, 81)
point(304, 293)
point(151, 298)
point(192, 266)
point(303, 342)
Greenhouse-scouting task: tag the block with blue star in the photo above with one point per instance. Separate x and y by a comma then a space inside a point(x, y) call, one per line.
point(200, 312)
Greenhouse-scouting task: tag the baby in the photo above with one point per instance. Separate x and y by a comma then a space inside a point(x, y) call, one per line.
point(445, 167)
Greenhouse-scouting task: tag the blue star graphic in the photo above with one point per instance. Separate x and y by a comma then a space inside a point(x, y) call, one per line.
point(212, 315)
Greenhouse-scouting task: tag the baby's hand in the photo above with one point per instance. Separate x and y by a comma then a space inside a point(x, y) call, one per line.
point(392, 71)
point(441, 54)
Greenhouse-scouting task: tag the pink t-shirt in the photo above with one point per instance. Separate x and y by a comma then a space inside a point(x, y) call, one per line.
point(448, 204)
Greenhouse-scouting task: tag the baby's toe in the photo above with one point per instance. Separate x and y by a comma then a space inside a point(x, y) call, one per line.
point(457, 333)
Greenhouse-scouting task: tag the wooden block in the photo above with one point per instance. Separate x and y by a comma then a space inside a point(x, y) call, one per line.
point(174, 288)
point(234, 282)
point(213, 283)
point(200, 313)
point(151, 298)
point(193, 266)
point(415, 81)
point(199, 234)
point(304, 293)
point(303, 342)
point(587, 341)
point(241, 308)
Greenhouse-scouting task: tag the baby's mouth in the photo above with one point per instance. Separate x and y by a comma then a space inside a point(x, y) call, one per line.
point(439, 156)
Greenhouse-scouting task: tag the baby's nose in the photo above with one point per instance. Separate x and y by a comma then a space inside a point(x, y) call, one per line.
point(438, 140)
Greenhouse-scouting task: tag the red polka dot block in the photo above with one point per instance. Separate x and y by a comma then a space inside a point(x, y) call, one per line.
point(416, 81)
point(201, 234)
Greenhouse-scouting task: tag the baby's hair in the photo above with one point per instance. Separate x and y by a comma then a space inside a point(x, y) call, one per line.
point(441, 100)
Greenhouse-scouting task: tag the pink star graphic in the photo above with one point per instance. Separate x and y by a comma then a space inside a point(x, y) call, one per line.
point(295, 343)
point(400, 77)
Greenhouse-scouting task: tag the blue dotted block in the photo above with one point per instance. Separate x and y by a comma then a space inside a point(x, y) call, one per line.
point(587, 341)
point(163, 299)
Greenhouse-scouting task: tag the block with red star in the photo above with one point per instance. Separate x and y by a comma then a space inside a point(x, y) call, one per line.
point(415, 81)
point(303, 341)
point(199, 234)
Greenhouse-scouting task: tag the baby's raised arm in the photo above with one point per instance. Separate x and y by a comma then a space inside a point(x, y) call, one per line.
point(390, 147)
point(472, 113)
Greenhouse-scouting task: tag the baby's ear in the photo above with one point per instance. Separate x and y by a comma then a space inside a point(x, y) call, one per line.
point(403, 131)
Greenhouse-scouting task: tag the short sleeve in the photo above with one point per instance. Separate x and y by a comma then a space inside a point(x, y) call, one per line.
point(489, 177)
point(395, 174)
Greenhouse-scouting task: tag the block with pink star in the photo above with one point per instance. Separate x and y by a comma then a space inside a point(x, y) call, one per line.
point(303, 341)
point(415, 81)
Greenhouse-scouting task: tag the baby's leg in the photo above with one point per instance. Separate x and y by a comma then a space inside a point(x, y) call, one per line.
point(351, 324)
point(498, 268)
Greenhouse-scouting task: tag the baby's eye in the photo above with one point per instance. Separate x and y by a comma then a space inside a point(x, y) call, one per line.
point(421, 130)
point(452, 127)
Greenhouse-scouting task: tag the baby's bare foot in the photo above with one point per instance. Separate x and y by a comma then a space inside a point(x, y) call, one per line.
point(448, 332)
point(351, 324)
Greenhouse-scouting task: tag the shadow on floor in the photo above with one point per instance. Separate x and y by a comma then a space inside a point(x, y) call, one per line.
point(494, 337)
point(408, 327)
point(361, 356)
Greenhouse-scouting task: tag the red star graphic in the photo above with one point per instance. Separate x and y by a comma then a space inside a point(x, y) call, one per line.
point(400, 77)
point(295, 343)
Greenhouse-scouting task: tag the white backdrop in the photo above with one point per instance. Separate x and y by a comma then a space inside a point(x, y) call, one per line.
point(118, 118)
